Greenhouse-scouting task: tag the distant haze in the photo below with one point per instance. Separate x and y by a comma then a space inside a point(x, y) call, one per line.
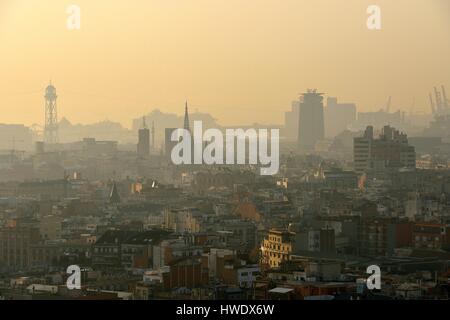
point(242, 61)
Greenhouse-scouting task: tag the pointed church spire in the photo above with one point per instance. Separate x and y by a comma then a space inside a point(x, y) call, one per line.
point(186, 117)
point(114, 194)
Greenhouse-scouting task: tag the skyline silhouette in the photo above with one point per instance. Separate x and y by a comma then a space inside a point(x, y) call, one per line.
point(224, 56)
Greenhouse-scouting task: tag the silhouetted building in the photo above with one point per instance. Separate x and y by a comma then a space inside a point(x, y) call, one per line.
point(439, 127)
point(143, 146)
point(380, 236)
point(15, 242)
point(311, 123)
point(52, 189)
point(169, 144)
point(322, 240)
point(380, 118)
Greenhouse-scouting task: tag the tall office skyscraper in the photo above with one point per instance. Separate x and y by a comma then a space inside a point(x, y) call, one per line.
point(143, 146)
point(311, 127)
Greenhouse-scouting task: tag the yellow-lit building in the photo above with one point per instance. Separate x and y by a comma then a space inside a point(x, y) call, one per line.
point(276, 247)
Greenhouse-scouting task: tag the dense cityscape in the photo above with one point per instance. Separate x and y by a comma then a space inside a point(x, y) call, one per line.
point(224, 159)
point(353, 190)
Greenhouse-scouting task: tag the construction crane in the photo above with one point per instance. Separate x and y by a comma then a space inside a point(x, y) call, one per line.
point(439, 106)
point(433, 107)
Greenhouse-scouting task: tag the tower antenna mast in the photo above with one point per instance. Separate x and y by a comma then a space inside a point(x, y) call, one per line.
point(51, 115)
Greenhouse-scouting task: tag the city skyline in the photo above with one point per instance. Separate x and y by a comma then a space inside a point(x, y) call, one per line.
point(225, 154)
point(179, 111)
point(220, 58)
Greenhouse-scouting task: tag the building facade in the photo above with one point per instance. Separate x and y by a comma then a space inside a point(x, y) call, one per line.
point(389, 151)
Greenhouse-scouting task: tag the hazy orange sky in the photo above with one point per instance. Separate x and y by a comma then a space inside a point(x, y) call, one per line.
point(243, 61)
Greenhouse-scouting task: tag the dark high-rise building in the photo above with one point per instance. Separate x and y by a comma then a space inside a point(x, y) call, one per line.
point(143, 146)
point(186, 117)
point(311, 127)
point(15, 242)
